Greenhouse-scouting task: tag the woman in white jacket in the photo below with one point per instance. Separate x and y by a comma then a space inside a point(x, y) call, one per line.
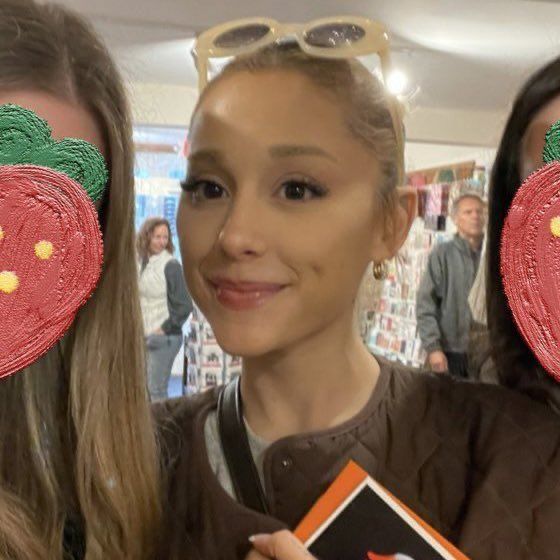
point(165, 302)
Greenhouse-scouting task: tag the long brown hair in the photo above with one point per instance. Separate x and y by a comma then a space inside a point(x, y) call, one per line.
point(144, 237)
point(76, 436)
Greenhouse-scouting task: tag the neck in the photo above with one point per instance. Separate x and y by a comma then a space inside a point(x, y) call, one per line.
point(474, 241)
point(316, 384)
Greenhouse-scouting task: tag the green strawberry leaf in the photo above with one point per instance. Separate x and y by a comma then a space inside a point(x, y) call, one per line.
point(79, 160)
point(25, 138)
point(551, 150)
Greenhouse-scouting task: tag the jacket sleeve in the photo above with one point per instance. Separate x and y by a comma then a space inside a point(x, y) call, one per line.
point(428, 301)
point(179, 302)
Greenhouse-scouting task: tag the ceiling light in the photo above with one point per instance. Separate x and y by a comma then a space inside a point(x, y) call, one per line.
point(396, 82)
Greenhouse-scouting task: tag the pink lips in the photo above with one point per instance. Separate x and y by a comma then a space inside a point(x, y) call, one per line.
point(241, 296)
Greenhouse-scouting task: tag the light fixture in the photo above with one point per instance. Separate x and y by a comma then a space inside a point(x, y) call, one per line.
point(397, 82)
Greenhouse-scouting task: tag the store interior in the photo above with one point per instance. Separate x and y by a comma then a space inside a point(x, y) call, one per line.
point(458, 66)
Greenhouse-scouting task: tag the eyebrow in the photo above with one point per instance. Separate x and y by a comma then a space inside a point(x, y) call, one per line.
point(213, 157)
point(301, 150)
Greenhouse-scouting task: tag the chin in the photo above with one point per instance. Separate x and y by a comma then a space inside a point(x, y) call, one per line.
point(245, 343)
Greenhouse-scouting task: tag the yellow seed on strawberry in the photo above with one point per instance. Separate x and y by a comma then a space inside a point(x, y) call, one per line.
point(9, 282)
point(555, 226)
point(1, 234)
point(44, 250)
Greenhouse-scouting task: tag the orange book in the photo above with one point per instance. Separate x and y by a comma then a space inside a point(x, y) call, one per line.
point(358, 519)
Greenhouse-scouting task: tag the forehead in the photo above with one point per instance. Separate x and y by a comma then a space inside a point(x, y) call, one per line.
point(247, 117)
point(278, 104)
point(469, 203)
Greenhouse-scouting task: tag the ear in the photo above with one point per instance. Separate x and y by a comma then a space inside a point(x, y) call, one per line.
point(397, 224)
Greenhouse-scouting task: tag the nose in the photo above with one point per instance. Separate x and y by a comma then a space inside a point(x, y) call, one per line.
point(242, 235)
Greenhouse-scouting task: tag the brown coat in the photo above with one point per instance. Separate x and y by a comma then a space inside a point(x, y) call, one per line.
point(479, 463)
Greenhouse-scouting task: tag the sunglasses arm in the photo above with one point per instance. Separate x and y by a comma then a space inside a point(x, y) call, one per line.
point(395, 110)
point(202, 74)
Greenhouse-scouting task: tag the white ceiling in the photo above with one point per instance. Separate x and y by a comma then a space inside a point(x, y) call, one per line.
point(469, 55)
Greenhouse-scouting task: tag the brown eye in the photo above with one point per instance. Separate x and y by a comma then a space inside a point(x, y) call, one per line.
point(201, 190)
point(295, 191)
point(301, 191)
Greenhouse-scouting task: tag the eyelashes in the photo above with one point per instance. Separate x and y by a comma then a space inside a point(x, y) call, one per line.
point(293, 190)
point(301, 190)
point(202, 190)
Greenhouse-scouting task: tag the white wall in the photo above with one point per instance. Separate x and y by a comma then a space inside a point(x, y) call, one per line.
point(168, 105)
point(446, 126)
point(435, 136)
point(425, 155)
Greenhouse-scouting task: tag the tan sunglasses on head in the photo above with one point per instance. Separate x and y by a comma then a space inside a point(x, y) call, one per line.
point(334, 37)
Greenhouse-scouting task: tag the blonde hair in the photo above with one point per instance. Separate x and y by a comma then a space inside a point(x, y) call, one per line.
point(363, 98)
point(145, 234)
point(76, 435)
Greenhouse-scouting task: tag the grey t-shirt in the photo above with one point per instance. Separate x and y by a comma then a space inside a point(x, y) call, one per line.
point(216, 453)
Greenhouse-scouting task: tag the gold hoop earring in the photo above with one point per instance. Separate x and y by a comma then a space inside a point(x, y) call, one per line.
point(380, 270)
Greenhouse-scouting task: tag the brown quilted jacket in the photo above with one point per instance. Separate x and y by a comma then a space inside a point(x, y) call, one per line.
point(479, 463)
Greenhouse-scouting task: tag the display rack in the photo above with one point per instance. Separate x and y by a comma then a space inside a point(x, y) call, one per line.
point(207, 365)
point(392, 328)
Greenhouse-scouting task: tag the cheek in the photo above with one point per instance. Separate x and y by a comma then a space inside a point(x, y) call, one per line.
point(340, 247)
point(198, 232)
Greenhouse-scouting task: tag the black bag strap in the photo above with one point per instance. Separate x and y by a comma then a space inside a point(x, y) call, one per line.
point(237, 452)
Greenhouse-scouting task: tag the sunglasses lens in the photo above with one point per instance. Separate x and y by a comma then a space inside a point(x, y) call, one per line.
point(241, 36)
point(334, 35)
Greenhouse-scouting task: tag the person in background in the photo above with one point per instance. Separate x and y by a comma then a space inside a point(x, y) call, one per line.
point(442, 309)
point(481, 364)
point(164, 300)
point(535, 109)
point(79, 475)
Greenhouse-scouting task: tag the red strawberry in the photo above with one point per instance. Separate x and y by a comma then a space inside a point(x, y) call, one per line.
point(51, 254)
point(530, 264)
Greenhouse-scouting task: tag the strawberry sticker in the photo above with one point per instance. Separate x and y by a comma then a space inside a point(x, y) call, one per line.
point(51, 249)
point(530, 258)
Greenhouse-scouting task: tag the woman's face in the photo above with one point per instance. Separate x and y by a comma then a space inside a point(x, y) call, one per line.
point(533, 140)
point(159, 239)
point(282, 213)
point(67, 119)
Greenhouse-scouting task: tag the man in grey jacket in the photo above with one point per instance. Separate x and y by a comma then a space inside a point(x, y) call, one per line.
point(442, 309)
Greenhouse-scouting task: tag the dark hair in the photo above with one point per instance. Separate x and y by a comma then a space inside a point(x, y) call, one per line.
point(517, 367)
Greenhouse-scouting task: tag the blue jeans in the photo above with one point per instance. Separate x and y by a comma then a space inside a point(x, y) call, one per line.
point(161, 352)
